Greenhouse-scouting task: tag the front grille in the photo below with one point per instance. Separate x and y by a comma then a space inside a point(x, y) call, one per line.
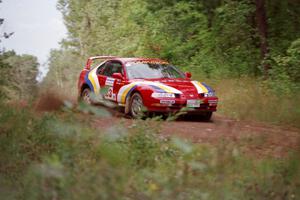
point(201, 95)
point(204, 105)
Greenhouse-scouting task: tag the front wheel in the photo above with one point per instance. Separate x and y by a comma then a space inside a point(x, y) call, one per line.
point(136, 106)
point(86, 96)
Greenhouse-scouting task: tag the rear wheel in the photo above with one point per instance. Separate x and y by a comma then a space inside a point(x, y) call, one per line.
point(86, 96)
point(136, 106)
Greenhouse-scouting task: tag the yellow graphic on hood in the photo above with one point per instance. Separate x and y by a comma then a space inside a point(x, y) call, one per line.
point(126, 89)
point(200, 87)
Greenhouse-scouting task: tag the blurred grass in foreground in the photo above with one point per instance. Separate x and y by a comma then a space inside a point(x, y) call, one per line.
point(53, 157)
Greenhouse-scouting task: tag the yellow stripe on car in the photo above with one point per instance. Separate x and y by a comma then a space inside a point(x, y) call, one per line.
point(166, 89)
point(125, 92)
point(204, 89)
point(94, 80)
point(200, 87)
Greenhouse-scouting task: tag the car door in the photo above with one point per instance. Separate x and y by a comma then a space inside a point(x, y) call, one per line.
point(109, 85)
point(101, 76)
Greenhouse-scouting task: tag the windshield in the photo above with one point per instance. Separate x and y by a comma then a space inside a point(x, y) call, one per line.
point(152, 71)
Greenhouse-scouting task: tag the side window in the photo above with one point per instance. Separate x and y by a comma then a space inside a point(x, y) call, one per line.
point(101, 69)
point(112, 67)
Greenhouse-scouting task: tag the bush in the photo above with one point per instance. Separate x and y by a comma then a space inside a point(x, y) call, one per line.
point(56, 157)
point(285, 72)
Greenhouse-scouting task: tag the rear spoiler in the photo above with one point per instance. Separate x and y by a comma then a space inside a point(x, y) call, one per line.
point(91, 60)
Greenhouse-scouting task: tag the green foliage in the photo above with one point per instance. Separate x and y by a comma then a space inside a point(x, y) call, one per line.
point(284, 24)
point(4, 67)
point(228, 47)
point(64, 68)
point(291, 62)
point(18, 75)
point(174, 35)
point(53, 157)
point(285, 72)
point(214, 38)
point(235, 38)
point(293, 68)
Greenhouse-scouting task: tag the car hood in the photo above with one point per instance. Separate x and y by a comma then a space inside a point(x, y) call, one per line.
point(183, 85)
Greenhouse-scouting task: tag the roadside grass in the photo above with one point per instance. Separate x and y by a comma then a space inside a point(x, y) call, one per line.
point(250, 99)
point(54, 156)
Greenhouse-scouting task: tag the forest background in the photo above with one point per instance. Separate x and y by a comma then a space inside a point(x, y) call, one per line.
point(248, 50)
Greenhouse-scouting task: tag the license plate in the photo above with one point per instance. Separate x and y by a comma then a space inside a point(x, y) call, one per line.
point(193, 103)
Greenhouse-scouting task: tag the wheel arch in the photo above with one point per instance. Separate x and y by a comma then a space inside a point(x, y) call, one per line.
point(127, 100)
point(141, 90)
point(84, 86)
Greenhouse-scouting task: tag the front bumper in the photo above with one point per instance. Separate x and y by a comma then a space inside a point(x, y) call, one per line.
point(207, 104)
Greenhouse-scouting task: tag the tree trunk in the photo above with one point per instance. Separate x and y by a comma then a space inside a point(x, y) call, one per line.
point(262, 26)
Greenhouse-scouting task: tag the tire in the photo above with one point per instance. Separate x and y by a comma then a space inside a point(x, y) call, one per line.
point(86, 96)
point(207, 116)
point(136, 106)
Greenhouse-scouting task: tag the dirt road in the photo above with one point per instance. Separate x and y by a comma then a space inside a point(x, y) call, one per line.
point(259, 139)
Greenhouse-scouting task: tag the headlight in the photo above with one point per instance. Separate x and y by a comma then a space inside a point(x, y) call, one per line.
point(162, 95)
point(209, 94)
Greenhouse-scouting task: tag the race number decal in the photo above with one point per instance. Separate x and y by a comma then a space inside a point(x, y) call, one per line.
point(110, 95)
point(107, 90)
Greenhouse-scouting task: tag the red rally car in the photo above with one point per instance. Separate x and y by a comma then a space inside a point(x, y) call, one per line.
point(144, 85)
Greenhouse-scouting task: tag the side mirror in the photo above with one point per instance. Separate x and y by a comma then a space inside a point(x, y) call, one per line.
point(117, 76)
point(188, 74)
